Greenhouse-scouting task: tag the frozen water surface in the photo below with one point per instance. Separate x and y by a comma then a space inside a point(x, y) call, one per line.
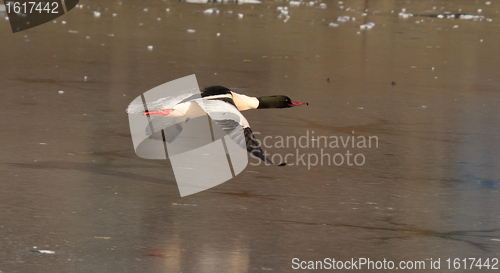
point(332, 24)
point(84, 202)
point(343, 19)
point(368, 25)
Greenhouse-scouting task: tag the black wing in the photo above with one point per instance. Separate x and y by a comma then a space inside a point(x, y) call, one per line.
point(228, 125)
point(254, 149)
point(248, 140)
point(209, 91)
point(214, 90)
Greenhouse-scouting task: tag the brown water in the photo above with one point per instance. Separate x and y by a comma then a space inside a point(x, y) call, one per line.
point(71, 182)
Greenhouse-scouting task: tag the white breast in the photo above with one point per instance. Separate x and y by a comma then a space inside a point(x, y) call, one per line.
point(244, 102)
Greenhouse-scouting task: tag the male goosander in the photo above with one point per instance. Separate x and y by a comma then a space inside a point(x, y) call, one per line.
point(220, 103)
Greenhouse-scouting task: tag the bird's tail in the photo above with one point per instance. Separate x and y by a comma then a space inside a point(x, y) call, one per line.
point(136, 107)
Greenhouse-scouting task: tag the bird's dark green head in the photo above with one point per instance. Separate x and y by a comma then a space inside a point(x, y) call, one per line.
point(278, 101)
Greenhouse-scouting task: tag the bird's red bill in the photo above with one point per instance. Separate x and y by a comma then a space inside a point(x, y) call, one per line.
point(294, 103)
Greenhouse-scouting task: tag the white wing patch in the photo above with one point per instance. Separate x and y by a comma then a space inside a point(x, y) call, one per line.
point(244, 102)
point(220, 110)
point(137, 107)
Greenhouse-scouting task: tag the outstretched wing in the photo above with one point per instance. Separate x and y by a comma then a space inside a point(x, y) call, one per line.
point(228, 118)
point(172, 128)
point(254, 149)
point(137, 106)
point(221, 110)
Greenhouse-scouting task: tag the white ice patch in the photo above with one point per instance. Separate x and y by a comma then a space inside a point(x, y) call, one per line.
point(343, 19)
point(197, 1)
point(368, 25)
point(405, 15)
point(471, 17)
point(211, 11)
point(46, 251)
point(249, 2)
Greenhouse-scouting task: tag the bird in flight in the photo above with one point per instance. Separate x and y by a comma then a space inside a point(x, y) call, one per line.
point(222, 105)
